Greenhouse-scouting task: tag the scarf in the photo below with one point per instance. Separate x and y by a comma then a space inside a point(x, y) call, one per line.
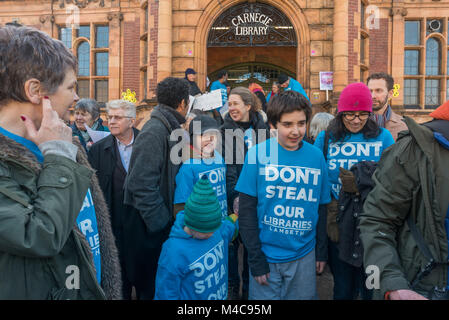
point(381, 119)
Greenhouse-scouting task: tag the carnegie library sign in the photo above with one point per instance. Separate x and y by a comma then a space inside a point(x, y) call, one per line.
point(252, 24)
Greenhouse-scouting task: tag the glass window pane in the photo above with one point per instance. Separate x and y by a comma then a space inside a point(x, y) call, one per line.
point(432, 98)
point(82, 88)
point(448, 64)
point(83, 31)
point(102, 63)
point(362, 49)
point(411, 93)
point(101, 90)
point(411, 62)
point(145, 84)
point(145, 52)
point(412, 33)
point(84, 59)
point(65, 35)
point(432, 57)
point(102, 37)
point(362, 15)
point(146, 20)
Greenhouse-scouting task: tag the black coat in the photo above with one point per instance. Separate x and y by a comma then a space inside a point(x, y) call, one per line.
point(103, 157)
point(234, 163)
point(350, 206)
point(149, 192)
point(193, 88)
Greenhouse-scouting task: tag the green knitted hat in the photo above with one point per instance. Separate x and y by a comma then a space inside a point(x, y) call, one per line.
point(202, 211)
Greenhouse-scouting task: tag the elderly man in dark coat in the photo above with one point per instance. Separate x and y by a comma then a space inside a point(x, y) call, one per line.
point(110, 157)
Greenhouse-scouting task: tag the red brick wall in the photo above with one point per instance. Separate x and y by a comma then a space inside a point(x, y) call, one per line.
point(131, 56)
point(152, 36)
point(378, 49)
point(353, 33)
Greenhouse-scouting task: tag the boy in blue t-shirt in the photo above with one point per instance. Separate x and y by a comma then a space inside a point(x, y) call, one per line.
point(282, 183)
point(193, 264)
point(204, 160)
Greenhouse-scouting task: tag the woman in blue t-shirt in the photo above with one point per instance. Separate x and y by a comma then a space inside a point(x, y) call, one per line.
point(351, 137)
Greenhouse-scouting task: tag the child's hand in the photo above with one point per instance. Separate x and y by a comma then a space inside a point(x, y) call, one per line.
point(235, 206)
point(263, 280)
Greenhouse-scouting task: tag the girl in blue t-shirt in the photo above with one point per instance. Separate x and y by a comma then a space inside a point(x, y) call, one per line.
point(204, 160)
point(350, 138)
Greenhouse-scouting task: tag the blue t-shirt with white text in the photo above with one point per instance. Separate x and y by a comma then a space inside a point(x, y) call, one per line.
point(194, 269)
point(193, 169)
point(289, 187)
point(354, 149)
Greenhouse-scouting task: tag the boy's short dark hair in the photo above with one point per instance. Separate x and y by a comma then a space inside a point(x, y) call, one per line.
point(287, 102)
point(27, 53)
point(382, 75)
point(171, 91)
point(221, 73)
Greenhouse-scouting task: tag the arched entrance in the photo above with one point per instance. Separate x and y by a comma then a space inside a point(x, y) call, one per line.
point(254, 42)
point(299, 54)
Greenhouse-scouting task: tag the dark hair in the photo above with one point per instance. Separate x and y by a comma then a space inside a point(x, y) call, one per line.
point(171, 91)
point(248, 98)
point(222, 73)
point(27, 53)
point(282, 78)
point(287, 102)
point(385, 76)
point(338, 131)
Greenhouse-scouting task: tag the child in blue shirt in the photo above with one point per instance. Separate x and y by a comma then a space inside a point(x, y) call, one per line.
point(204, 160)
point(282, 183)
point(193, 264)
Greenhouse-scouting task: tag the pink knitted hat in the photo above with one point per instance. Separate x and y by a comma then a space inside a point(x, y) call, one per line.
point(355, 97)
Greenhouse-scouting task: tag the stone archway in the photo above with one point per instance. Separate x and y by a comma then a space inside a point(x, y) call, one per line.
point(292, 9)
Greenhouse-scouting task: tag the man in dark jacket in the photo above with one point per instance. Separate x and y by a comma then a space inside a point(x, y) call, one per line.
point(190, 76)
point(410, 201)
point(110, 158)
point(150, 185)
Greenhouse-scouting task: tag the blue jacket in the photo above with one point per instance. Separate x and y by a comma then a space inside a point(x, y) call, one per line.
point(192, 269)
point(296, 86)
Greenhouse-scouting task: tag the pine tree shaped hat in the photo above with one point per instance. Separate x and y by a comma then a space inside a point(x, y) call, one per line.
point(202, 210)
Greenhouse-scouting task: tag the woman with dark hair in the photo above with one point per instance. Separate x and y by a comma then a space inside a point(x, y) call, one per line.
point(87, 112)
point(244, 126)
point(351, 137)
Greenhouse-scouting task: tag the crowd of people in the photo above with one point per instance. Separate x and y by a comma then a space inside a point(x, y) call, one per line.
point(172, 211)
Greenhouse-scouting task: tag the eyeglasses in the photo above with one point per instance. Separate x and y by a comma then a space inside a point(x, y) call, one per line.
point(351, 116)
point(118, 118)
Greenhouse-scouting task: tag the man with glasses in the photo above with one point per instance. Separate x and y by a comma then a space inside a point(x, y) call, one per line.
point(110, 158)
point(381, 87)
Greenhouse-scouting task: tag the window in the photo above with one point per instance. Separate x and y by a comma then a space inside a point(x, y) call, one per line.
point(90, 44)
point(411, 62)
point(432, 57)
point(412, 33)
point(426, 69)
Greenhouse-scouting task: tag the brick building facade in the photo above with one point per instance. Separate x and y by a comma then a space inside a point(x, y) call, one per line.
point(132, 44)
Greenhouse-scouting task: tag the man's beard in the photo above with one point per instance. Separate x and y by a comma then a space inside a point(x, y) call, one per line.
point(381, 105)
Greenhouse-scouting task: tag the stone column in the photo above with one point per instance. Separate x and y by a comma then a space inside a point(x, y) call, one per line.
point(115, 19)
point(340, 46)
point(397, 51)
point(164, 50)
